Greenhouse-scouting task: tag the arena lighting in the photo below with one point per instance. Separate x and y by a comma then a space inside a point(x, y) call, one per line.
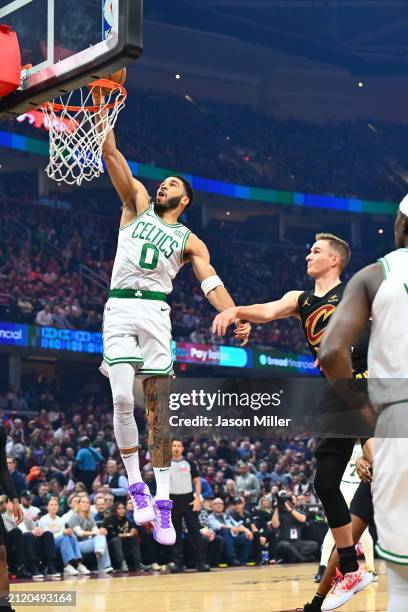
point(380, 231)
point(278, 197)
point(178, 76)
point(228, 213)
point(360, 84)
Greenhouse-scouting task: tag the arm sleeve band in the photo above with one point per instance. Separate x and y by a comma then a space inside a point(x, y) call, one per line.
point(211, 283)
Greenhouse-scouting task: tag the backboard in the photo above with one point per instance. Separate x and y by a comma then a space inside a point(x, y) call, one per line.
point(69, 43)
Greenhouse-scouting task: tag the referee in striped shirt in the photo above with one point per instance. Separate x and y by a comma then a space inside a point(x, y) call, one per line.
point(184, 478)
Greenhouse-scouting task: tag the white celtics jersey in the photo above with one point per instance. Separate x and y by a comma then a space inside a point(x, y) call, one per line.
point(388, 349)
point(149, 253)
point(350, 475)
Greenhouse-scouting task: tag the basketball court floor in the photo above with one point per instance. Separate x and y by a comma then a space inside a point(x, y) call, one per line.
point(259, 589)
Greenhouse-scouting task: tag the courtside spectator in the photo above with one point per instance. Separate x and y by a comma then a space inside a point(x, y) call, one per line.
point(237, 546)
point(18, 479)
point(65, 540)
point(91, 538)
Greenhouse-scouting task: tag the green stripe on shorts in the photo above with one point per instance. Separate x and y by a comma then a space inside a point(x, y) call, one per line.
point(393, 557)
point(140, 294)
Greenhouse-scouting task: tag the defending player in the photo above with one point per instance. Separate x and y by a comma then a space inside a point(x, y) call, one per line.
point(349, 484)
point(326, 261)
point(362, 515)
point(381, 291)
point(152, 247)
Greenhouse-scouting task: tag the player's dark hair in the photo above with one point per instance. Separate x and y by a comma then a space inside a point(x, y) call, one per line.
point(339, 245)
point(176, 439)
point(188, 189)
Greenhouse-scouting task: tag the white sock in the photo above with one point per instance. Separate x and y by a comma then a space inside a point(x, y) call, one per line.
point(162, 476)
point(131, 463)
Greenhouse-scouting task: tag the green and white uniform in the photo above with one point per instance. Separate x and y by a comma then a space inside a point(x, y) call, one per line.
point(136, 326)
point(350, 479)
point(388, 385)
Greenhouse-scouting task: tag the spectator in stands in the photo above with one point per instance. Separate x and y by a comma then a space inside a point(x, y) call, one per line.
point(206, 490)
point(39, 543)
point(30, 512)
point(262, 518)
point(213, 543)
point(65, 540)
point(116, 482)
point(57, 463)
point(91, 538)
point(237, 546)
point(45, 317)
point(244, 519)
point(248, 485)
point(122, 537)
point(18, 479)
point(289, 521)
point(263, 473)
point(14, 542)
point(73, 501)
point(87, 459)
point(100, 509)
point(109, 501)
point(41, 499)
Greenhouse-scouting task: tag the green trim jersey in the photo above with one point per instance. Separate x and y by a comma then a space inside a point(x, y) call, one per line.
point(350, 475)
point(388, 350)
point(149, 253)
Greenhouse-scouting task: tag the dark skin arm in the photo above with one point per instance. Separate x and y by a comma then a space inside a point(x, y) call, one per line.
point(348, 322)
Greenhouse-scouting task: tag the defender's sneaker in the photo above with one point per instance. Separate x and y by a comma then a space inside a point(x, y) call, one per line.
point(163, 531)
point(143, 505)
point(344, 587)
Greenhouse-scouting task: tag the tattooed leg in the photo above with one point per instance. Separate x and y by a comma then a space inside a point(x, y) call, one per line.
point(157, 393)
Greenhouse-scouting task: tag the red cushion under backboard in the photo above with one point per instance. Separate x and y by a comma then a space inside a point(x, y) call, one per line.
point(69, 43)
point(10, 61)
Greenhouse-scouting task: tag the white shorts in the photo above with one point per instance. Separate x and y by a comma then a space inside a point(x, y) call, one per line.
point(390, 483)
point(137, 331)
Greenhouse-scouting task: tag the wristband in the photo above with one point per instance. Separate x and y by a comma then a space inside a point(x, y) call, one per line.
point(211, 283)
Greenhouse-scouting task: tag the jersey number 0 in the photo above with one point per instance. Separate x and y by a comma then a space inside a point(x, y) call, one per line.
point(149, 256)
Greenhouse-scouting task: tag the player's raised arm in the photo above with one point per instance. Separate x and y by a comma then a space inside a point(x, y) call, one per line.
point(212, 286)
point(287, 306)
point(132, 192)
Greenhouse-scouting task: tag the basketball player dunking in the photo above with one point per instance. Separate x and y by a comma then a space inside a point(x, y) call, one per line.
point(152, 247)
point(380, 291)
point(326, 261)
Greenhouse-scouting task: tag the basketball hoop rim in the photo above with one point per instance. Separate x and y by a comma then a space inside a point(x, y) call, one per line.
point(103, 83)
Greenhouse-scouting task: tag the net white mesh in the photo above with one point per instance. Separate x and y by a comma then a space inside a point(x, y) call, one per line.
point(77, 132)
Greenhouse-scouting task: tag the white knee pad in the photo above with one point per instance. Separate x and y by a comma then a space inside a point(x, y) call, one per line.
point(121, 378)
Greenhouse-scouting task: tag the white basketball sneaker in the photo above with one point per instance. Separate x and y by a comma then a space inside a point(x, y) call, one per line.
point(143, 505)
point(344, 587)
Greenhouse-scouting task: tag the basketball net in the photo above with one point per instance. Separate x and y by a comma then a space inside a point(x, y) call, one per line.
point(77, 132)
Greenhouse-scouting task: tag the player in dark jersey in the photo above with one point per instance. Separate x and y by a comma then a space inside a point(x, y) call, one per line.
point(362, 515)
point(8, 487)
point(326, 261)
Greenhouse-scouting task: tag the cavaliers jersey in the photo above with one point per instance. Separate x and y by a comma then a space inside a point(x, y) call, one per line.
point(315, 313)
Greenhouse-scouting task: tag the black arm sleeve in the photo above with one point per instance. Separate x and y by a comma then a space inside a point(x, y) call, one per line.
point(5, 479)
point(194, 471)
